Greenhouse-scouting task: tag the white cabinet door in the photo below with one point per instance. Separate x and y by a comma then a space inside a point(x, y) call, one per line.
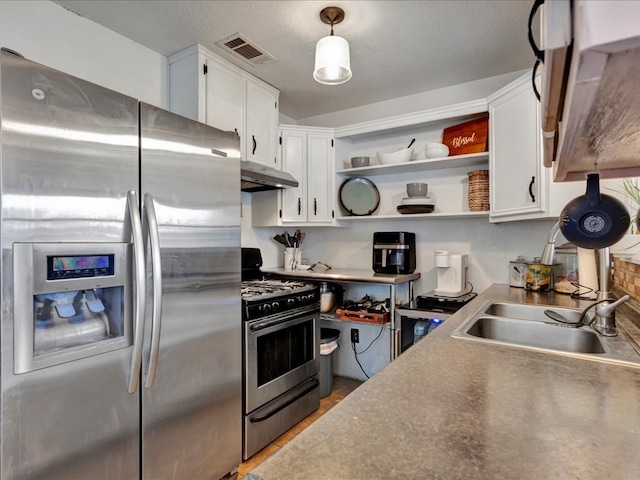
point(224, 97)
point(521, 188)
point(294, 161)
point(260, 132)
point(518, 186)
point(320, 160)
point(307, 153)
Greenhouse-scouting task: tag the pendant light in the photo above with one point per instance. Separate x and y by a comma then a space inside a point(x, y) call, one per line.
point(332, 53)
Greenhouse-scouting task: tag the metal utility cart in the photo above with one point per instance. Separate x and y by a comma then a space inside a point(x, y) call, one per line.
point(344, 275)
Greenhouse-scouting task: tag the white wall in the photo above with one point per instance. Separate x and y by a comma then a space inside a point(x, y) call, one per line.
point(47, 33)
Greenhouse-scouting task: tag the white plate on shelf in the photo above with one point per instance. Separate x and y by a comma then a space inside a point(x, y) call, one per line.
point(415, 201)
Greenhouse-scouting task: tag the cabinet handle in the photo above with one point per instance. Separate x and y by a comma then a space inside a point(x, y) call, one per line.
point(533, 197)
point(255, 144)
point(315, 206)
point(299, 206)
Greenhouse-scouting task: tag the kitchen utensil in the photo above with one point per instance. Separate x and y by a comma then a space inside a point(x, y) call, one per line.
point(330, 296)
point(359, 196)
point(410, 209)
point(417, 189)
point(436, 150)
point(411, 142)
point(357, 162)
point(594, 220)
point(400, 156)
point(280, 239)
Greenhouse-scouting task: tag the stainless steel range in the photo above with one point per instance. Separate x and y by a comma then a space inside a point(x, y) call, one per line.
point(281, 348)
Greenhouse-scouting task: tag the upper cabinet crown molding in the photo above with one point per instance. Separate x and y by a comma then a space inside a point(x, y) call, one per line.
point(415, 119)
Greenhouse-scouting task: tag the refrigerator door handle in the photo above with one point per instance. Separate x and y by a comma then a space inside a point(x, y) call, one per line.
point(140, 287)
point(150, 230)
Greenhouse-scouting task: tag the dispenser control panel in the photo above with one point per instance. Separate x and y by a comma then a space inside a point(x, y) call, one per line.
point(80, 266)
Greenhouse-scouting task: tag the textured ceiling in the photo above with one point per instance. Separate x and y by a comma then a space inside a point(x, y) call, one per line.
point(397, 48)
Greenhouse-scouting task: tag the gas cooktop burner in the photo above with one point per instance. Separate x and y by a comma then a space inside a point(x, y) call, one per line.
point(270, 287)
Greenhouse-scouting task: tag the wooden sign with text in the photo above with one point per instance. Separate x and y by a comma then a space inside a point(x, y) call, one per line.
point(468, 137)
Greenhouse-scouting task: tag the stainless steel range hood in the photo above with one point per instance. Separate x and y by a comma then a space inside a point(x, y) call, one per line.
point(256, 177)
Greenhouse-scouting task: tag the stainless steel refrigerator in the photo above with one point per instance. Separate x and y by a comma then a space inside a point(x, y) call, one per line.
point(121, 317)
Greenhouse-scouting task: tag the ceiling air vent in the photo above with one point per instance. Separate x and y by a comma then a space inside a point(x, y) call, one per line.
point(243, 48)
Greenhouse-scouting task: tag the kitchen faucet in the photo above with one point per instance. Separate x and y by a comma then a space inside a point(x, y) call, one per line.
point(550, 248)
point(605, 308)
point(605, 316)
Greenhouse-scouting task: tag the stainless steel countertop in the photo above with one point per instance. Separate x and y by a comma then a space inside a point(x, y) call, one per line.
point(450, 408)
point(346, 275)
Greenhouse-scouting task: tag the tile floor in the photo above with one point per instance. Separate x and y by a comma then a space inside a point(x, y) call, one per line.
point(342, 387)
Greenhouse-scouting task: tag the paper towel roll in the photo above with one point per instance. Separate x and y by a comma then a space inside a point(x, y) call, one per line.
point(587, 272)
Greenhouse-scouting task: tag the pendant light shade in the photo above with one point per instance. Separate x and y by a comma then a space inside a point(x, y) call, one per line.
point(333, 65)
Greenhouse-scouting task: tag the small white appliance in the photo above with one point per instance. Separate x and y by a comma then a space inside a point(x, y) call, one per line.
point(452, 274)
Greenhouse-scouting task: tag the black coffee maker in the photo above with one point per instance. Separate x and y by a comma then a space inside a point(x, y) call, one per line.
point(394, 252)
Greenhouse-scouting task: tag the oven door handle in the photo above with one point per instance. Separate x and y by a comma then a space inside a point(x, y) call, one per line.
point(261, 325)
point(284, 405)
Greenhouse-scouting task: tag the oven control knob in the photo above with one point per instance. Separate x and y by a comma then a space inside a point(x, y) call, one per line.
point(275, 306)
point(291, 302)
point(266, 309)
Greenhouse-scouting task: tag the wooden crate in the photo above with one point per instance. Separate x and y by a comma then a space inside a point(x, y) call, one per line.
point(468, 137)
point(358, 316)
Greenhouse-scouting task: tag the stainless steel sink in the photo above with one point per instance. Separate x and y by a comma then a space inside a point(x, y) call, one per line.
point(527, 326)
point(530, 312)
point(535, 334)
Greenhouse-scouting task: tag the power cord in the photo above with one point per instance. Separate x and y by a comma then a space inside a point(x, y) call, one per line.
point(356, 353)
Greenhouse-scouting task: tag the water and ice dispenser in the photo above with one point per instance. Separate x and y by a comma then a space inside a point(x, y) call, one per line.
point(72, 301)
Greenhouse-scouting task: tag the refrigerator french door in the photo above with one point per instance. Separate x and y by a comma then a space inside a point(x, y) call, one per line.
point(120, 285)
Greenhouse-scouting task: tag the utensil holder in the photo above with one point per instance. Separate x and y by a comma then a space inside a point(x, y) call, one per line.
point(291, 254)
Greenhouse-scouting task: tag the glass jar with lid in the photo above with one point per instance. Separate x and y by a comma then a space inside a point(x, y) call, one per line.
point(517, 270)
point(566, 269)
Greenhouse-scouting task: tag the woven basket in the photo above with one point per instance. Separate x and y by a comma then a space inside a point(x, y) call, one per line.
point(479, 190)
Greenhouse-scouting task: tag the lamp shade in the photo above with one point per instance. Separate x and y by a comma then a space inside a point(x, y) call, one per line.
point(333, 66)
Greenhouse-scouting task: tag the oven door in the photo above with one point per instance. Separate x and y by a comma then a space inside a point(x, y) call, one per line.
point(281, 351)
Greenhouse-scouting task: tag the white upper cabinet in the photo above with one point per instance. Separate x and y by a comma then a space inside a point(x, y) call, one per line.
point(211, 90)
point(261, 125)
point(307, 153)
point(520, 187)
point(515, 169)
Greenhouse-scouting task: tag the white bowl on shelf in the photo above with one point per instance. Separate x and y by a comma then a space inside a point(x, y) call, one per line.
point(436, 150)
point(400, 156)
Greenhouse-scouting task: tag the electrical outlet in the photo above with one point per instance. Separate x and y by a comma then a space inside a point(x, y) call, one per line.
point(355, 335)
